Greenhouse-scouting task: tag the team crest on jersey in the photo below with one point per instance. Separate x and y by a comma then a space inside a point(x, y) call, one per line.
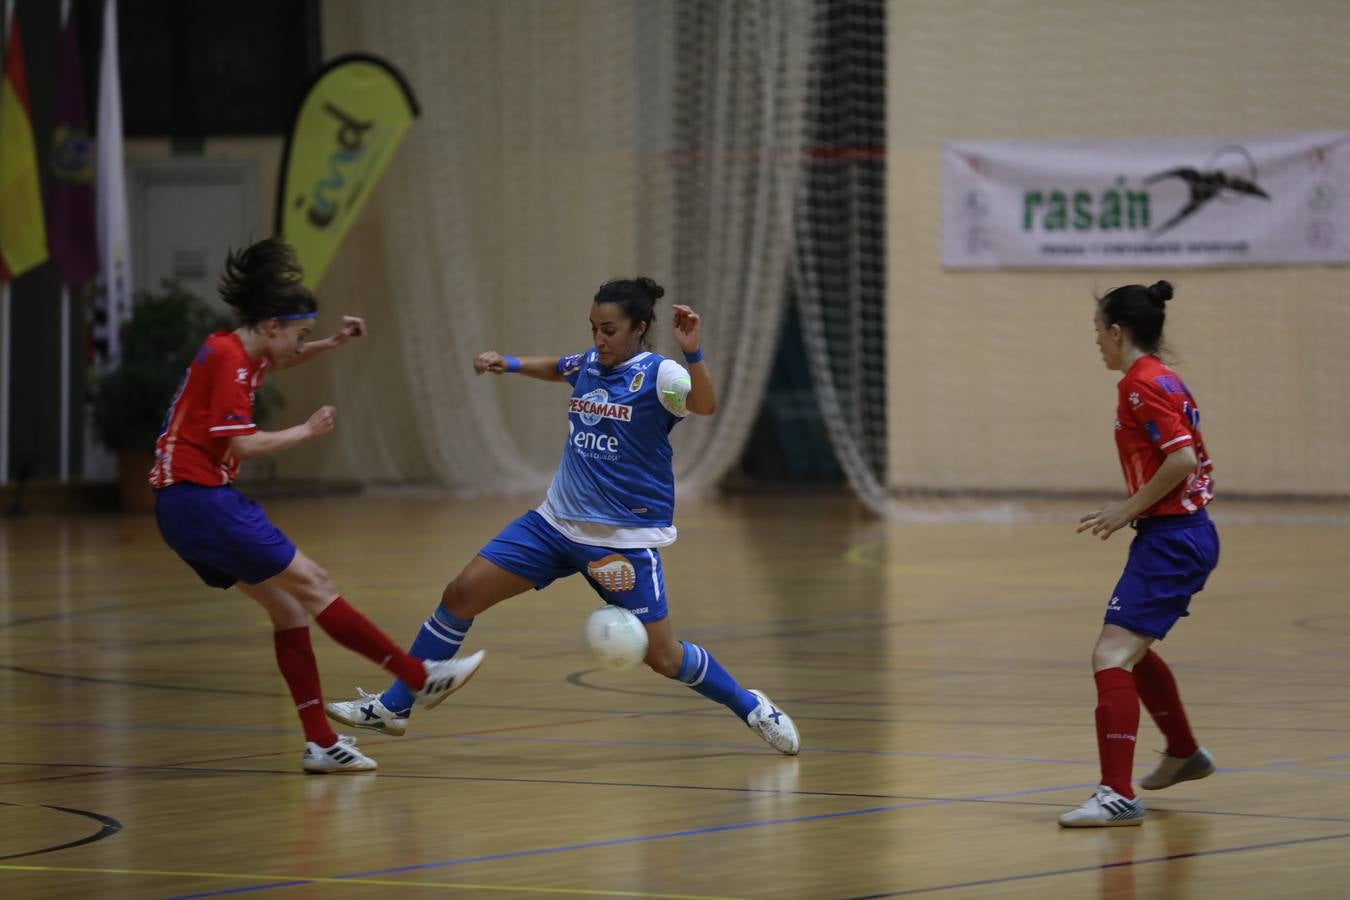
point(595, 406)
point(636, 384)
point(613, 573)
point(241, 375)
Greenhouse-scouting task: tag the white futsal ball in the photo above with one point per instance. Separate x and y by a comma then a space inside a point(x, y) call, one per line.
point(616, 637)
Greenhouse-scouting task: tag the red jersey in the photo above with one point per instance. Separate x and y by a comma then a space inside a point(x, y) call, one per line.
point(214, 403)
point(1156, 415)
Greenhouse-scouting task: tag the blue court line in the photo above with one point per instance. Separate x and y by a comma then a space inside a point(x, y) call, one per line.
point(1116, 865)
point(578, 782)
point(1272, 768)
point(148, 726)
point(590, 845)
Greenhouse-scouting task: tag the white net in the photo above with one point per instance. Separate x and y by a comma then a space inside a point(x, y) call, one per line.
point(561, 145)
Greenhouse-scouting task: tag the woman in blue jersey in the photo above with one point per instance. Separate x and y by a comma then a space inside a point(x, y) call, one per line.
point(608, 510)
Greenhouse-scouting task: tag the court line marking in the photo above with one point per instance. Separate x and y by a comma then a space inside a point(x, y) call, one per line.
point(695, 832)
point(299, 880)
point(1115, 865)
point(108, 827)
point(495, 735)
point(105, 768)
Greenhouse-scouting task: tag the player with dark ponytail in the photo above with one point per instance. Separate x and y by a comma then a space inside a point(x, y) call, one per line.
point(1168, 483)
point(609, 510)
point(225, 537)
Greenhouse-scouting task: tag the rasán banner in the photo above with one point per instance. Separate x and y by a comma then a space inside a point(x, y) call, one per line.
point(1130, 203)
point(351, 120)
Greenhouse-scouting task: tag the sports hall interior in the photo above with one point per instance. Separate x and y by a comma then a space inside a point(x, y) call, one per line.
point(877, 526)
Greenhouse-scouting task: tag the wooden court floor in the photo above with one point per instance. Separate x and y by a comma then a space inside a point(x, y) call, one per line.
point(938, 670)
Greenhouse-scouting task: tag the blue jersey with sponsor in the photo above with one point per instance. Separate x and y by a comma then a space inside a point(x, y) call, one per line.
point(616, 466)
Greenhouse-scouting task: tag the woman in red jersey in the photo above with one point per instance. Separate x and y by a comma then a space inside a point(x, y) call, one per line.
point(1167, 478)
point(226, 538)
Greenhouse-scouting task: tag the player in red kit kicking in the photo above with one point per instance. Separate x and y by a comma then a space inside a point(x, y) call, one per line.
point(226, 538)
point(1167, 478)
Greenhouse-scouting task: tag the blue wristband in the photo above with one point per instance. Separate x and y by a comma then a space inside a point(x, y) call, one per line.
point(695, 357)
point(512, 363)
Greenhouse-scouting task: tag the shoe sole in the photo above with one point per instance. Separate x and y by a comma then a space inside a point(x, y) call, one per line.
point(1159, 787)
point(342, 771)
point(433, 703)
point(1180, 778)
point(1112, 824)
point(381, 728)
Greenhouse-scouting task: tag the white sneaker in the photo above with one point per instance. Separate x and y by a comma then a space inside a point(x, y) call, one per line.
point(445, 676)
point(1103, 809)
point(1173, 769)
point(340, 759)
point(367, 712)
point(774, 725)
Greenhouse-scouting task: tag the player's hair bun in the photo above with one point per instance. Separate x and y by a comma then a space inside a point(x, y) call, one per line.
point(651, 288)
point(1159, 292)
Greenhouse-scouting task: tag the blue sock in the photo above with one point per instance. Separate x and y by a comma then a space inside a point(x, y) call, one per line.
point(439, 638)
point(706, 676)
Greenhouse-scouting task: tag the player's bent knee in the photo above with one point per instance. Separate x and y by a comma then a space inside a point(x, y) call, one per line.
point(1108, 658)
point(454, 599)
point(665, 661)
point(309, 581)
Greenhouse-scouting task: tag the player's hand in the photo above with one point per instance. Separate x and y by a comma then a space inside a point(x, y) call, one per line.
point(352, 327)
point(686, 328)
point(1106, 521)
point(489, 361)
point(323, 421)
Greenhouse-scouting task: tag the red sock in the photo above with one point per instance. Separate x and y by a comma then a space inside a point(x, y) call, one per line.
point(1158, 690)
point(357, 633)
point(1117, 728)
point(295, 658)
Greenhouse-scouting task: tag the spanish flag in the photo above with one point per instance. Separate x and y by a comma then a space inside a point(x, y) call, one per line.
point(23, 235)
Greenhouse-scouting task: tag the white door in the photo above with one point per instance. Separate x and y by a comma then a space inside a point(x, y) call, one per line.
point(185, 215)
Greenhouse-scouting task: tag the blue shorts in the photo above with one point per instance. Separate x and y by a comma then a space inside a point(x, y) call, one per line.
point(539, 553)
point(1170, 560)
point(221, 534)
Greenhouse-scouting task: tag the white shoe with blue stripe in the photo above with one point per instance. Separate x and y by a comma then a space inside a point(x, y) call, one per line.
point(367, 712)
point(1104, 809)
point(774, 725)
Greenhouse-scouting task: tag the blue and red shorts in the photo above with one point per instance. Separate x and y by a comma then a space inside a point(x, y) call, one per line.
point(539, 553)
point(224, 536)
point(1170, 560)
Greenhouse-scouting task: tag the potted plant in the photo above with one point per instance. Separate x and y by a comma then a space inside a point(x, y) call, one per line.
point(158, 343)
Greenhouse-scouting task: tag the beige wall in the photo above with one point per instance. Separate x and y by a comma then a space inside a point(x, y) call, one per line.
point(263, 152)
point(994, 380)
point(517, 183)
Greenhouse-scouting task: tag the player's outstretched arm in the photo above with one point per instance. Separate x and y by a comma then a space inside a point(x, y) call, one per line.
point(352, 327)
point(702, 397)
point(545, 368)
point(264, 443)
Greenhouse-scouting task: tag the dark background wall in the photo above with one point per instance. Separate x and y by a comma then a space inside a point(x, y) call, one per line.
point(189, 70)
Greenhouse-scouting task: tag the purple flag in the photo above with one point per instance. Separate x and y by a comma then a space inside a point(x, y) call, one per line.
point(71, 236)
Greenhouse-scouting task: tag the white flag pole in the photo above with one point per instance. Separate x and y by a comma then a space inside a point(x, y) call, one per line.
point(65, 337)
point(65, 383)
point(4, 321)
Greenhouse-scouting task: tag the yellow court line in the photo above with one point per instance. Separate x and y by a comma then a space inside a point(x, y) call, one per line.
point(241, 876)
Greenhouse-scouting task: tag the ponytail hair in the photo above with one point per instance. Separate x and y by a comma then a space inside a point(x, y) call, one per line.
point(1140, 310)
point(262, 282)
